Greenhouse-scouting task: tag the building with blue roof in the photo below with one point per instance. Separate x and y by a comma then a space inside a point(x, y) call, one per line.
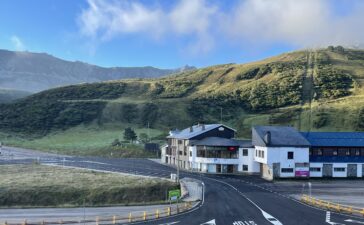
point(274, 152)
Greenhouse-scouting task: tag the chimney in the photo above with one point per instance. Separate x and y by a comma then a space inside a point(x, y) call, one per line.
point(267, 138)
point(203, 126)
point(191, 129)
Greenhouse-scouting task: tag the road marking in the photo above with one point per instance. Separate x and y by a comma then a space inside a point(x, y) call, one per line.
point(354, 221)
point(328, 219)
point(170, 223)
point(266, 215)
point(211, 222)
point(244, 223)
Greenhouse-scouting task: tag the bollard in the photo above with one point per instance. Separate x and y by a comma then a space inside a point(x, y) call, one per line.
point(97, 220)
point(145, 215)
point(362, 212)
point(61, 222)
point(130, 218)
point(43, 222)
point(6, 223)
point(157, 214)
point(350, 210)
point(114, 220)
point(169, 211)
point(338, 207)
point(24, 222)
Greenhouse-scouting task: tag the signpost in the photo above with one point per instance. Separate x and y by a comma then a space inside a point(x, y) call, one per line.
point(174, 195)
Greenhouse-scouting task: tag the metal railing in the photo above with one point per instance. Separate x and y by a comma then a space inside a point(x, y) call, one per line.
point(116, 219)
point(332, 206)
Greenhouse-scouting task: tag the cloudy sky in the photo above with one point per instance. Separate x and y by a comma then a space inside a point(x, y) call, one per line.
point(173, 33)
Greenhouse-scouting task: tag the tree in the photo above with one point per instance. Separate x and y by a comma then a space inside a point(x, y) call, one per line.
point(129, 134)
point(144, 137)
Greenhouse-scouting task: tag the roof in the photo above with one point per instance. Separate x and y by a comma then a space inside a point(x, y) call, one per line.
point(335, 139)
point(216, 141)
point(281, 136)
point(197, 130)
point(245, 143)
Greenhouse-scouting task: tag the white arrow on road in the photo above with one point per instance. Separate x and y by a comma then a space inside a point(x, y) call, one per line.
point(211, 222)
point(354, 221)
point(170, 223)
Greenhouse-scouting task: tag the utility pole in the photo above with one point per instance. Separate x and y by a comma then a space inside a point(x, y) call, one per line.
point(220, 115)
point(148, 133)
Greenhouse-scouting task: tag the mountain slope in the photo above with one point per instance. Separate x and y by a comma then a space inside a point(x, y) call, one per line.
point(271, 91)
point(34, 72)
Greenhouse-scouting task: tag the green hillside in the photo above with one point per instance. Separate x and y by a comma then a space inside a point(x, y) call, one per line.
point(311, 89)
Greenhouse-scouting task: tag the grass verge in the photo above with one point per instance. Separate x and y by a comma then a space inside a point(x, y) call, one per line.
point(46, 186)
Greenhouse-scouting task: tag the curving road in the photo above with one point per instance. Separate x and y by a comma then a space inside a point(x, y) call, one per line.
point(228, 200)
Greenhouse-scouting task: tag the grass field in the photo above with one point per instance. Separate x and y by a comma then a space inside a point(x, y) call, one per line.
point(83, 140)
point(39, 185)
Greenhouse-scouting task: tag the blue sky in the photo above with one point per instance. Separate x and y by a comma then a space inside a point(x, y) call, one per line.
point(173, 33)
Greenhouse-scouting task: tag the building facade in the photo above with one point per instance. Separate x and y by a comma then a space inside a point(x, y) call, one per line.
point(209, 148)
point(274, 152)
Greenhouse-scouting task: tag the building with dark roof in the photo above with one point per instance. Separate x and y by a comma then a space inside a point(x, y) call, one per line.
point(281, 151)
point(209, 148)
point(274, 152)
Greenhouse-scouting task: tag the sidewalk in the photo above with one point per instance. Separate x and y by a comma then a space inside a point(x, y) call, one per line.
point(192, 190)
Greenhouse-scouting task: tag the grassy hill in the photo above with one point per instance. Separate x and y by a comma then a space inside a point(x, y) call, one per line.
point(310, 89)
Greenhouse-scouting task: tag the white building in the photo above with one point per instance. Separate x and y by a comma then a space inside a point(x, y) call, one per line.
point(209, 148)
point(281, 151)
point(274, 152)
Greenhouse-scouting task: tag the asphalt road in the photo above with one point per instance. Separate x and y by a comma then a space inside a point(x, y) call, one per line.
point(228, 200)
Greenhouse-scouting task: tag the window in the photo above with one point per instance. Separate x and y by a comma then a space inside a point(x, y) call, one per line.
point(179, 141)
point(347, 152)
point(287, 170)
point(357, 151)
point(315, 169)
point(256, 153)
point(339, 169)
point(245, 167)
point(245, 152)
point(289, 155)
point(190, 153)
point(334, 152)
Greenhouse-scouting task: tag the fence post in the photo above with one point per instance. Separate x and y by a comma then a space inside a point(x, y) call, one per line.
point(169, 211)
point(145, 215)
point(157, 214)
point(97, 220)
point(114, 220)
point(130, 218)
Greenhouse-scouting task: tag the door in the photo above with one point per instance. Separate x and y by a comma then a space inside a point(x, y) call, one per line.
point(352, 170)
point(327, 170)
point(230, 168)
point(218, 168)
point(276, 170)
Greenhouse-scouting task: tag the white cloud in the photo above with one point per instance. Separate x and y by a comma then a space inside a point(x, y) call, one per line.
point(308, 23)
point(305, 23)
point(17, 43)
point(104, 20)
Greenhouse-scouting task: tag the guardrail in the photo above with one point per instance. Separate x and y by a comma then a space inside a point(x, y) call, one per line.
point(117, 219)
point(332, 206)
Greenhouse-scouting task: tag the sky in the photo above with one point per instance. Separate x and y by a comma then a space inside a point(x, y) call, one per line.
point(174, 33)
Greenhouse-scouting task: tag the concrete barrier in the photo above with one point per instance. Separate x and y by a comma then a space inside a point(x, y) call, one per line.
point(116, 219)
point(332, 206)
